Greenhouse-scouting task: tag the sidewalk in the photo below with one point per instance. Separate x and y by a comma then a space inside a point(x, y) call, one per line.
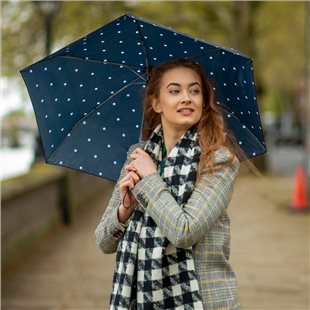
point(269, 254)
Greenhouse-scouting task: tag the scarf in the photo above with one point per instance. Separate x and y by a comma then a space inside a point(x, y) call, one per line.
point(147, 274)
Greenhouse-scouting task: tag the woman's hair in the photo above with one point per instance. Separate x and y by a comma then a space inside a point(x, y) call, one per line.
point(211, 128)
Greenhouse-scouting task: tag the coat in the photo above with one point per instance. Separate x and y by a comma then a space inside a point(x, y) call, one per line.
point(202, 223)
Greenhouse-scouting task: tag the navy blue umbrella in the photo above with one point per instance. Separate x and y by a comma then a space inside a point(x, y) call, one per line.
point(87, 96)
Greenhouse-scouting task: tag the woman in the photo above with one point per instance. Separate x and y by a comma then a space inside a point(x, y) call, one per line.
point(167, 216)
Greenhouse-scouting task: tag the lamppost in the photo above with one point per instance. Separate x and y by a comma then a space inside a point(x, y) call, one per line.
point(47, 11)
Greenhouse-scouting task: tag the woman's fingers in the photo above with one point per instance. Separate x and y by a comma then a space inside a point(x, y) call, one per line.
point(130, 168)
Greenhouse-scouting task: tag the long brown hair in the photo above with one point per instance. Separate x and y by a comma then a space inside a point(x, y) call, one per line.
point(211, 128)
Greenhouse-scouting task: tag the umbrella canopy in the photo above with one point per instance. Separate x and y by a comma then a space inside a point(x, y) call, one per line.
point(87, 96)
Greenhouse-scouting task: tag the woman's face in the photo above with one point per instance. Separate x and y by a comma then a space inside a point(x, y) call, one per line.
point(180, 100)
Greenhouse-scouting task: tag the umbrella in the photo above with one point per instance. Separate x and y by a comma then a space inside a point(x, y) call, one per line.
point(87, 96)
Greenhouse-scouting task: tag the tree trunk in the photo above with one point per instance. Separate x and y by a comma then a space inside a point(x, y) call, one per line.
point(243, 38)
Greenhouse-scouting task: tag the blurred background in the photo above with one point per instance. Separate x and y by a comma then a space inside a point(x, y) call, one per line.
point(49, 213)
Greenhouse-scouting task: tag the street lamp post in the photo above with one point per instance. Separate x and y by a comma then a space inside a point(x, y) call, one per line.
point(47, 10)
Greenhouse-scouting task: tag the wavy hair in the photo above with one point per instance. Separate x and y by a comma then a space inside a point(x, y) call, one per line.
point(211, 127)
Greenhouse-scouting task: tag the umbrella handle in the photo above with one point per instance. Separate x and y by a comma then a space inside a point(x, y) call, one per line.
point(123, 202)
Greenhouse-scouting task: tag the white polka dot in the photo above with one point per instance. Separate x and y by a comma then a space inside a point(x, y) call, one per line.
point(60, 163)
point(115, 162)
point(118, 119)
point(100, 173)
point(65, 84)
point(81, 85)
point(45, 69)
point(75, 150)
point(95, 156)
point(51, 84)
point(62, 129)
point(254, 154)
point(109, 145)
point(240, 142)
point(104, 129)
point(84, 122)
point(76, 70)
point(88, 139)
point(81, 167)
point(123, 135)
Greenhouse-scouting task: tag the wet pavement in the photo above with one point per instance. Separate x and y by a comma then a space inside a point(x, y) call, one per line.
point(269, 253)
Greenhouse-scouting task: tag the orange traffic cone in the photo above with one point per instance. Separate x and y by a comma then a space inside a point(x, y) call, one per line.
point(300, 200)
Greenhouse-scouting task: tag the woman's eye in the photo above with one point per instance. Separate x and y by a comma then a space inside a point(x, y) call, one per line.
point(195, 91)
point(174, 91)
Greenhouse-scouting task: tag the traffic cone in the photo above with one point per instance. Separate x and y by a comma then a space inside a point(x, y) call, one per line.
point(300, 200)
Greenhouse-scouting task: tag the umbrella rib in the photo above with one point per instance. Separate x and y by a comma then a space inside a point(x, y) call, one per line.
point(253, 136)
point(93, 111)
point(131, 68)
point(144, 48)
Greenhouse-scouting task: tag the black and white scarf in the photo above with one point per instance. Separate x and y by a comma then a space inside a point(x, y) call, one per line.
point(150, 273)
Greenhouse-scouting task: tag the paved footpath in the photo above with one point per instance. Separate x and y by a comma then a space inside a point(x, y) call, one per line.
point(270, 255)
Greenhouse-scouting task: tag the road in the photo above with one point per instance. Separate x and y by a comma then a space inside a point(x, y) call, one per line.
point(269, 253)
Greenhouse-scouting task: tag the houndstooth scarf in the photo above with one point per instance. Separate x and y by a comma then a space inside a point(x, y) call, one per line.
point(148, 274)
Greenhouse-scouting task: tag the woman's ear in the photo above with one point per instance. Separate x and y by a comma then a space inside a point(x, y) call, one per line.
point(156, 105)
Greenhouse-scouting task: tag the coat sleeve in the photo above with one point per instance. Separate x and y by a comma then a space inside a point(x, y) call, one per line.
point(185, 225)
point(109, 229)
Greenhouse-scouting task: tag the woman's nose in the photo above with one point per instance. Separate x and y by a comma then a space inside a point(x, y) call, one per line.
point(186, 97)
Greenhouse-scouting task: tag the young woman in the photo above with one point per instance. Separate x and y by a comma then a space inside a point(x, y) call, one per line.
point(167, 217)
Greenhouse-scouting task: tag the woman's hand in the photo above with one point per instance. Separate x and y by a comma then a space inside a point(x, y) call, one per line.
point(142, 163)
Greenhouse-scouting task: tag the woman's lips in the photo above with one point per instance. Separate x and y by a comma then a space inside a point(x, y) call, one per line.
point(185, 112)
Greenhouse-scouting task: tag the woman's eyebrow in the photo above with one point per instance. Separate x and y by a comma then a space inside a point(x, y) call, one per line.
point(177, 84)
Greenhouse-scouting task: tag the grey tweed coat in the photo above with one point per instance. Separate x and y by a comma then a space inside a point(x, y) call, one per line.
point(202, 223)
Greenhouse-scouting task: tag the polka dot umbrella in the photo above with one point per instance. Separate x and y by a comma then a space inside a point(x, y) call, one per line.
point(87, 96)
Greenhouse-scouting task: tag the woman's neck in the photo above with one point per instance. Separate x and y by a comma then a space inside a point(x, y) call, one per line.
point(171, 137)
